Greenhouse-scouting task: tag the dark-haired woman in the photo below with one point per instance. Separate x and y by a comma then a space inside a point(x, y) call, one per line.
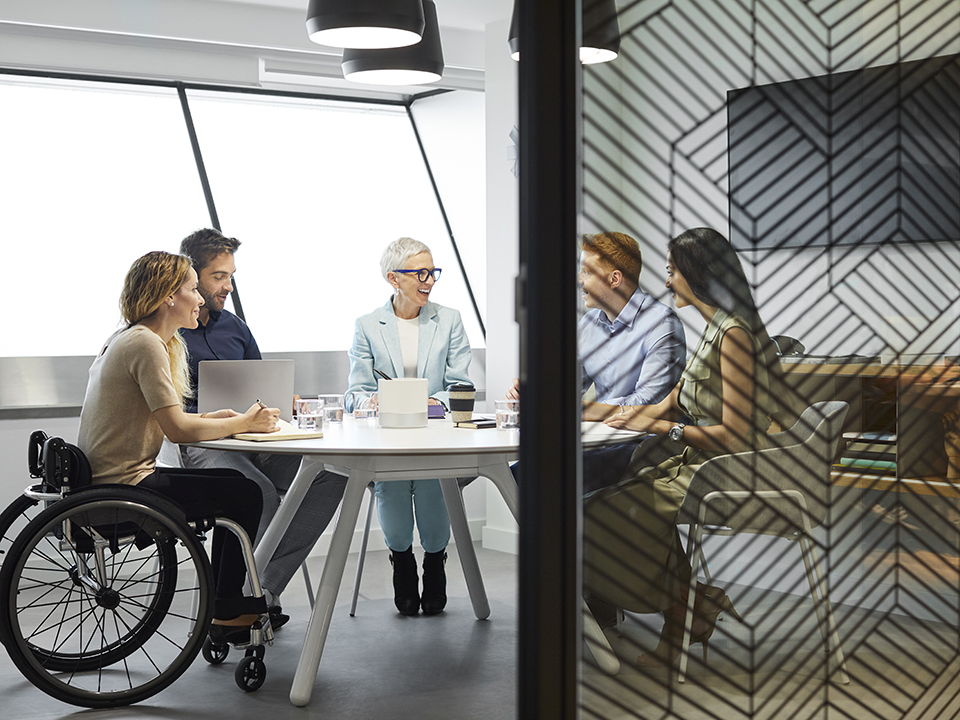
point(632, 553)
point(133, 399)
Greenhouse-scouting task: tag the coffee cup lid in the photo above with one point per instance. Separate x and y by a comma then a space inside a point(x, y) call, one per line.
point(461, 387)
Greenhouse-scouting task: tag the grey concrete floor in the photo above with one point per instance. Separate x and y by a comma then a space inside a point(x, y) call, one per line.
point(378, 664)
point(382, 665)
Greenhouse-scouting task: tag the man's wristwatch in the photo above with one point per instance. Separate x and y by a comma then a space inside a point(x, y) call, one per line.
point(676, 432)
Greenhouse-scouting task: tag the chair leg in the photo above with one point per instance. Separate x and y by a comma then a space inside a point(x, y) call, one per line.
point(818, 590)
point(306, 580)
point(694, 558)
point(363, 551)
point(597, 643)
point(453, 499)
point(706, 568)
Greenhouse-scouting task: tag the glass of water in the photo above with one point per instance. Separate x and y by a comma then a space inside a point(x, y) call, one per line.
point(332, 408)
point(508, 414)
point(365, 405)
point(309, 413)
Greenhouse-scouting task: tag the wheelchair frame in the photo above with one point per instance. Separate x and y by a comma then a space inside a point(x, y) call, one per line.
point(107, 591)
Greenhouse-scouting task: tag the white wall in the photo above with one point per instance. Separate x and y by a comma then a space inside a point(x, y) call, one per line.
point(503, 222)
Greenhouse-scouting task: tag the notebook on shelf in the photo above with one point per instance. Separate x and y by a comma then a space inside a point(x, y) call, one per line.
point(238, 384)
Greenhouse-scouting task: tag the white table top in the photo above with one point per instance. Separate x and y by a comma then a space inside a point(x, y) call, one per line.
point(364, 437)
point(439, 437)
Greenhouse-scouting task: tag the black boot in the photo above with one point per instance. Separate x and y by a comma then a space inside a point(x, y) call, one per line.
point(406, 584)
point(434, 583)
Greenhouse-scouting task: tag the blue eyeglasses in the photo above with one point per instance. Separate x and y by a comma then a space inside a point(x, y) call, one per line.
point(422, 274)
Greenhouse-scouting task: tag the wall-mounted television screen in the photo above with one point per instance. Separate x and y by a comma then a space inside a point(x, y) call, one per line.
point(868, 156)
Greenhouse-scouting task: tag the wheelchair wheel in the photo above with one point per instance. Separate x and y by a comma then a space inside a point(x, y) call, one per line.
point(14, 519)
point(250, 673)
point(215, 654)
point(97, 597)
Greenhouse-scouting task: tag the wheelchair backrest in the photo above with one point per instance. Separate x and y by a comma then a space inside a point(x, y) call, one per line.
point(59, 464)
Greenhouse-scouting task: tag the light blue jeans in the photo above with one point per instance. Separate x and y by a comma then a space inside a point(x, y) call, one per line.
point(399, 500)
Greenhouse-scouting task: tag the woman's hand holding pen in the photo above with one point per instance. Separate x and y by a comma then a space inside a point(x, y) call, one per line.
point(261, 418)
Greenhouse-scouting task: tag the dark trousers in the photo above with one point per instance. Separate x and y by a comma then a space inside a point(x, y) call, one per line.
point(601, 466)
point(217, 493)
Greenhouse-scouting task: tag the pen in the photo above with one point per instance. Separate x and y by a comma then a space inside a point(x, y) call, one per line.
point(382, 374)
point(261, 404)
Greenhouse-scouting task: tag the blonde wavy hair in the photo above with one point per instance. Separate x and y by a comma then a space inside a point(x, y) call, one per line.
point(150, 281)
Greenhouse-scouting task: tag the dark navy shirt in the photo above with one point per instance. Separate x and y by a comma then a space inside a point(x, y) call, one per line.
point(225, 337)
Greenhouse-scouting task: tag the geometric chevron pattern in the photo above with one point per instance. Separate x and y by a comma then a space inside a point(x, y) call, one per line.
point(823, 139)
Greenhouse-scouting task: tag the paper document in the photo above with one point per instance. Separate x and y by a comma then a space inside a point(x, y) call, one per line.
point(598, 433)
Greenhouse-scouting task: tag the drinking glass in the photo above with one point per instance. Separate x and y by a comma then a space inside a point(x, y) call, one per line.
point(365, 405)
point(332, 408)
point(508, 414)
point(309, 413)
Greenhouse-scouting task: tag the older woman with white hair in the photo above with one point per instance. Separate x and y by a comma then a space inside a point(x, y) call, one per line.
point(412, 337)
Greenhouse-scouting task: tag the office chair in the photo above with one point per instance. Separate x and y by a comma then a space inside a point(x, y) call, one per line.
point(783, 491)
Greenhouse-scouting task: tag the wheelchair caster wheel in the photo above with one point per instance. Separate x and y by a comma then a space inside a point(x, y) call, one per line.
point(255, 651)
point(214, 654)
point(250, 673)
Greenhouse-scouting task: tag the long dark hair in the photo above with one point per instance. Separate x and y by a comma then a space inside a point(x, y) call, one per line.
point(713, 271)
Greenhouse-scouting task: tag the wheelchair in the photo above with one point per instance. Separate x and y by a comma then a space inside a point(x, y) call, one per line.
point(106, 592)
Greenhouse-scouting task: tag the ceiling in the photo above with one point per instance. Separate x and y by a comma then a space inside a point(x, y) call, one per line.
point(464, 14)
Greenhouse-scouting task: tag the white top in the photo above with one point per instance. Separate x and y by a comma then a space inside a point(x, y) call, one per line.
point(409, 339)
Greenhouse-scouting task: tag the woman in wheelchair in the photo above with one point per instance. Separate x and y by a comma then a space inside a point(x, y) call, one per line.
point(632, 553)
point(133, 400)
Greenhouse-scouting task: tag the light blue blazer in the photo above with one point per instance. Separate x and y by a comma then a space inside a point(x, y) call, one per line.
point(443, 350)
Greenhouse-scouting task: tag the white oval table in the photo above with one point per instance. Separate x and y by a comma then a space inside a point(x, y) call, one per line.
point(371, 453)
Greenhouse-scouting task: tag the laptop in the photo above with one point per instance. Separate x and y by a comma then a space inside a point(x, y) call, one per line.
point(238, 384)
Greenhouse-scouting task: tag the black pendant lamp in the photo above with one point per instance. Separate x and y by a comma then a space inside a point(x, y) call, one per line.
point(365, 23)
point(601, 32)
point(411, 65)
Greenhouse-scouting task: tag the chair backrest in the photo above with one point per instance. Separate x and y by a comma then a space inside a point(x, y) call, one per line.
point(799, 459)
point(59, 464)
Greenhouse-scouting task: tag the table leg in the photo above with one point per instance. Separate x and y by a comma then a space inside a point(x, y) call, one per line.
point(306, 675)
point(468, 557)
point(309, 468)
point(499, 474)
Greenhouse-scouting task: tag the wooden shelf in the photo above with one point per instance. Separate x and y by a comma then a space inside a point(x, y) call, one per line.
point(932, 485)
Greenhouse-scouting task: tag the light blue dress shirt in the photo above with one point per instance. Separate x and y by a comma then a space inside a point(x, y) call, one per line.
point(638, 358)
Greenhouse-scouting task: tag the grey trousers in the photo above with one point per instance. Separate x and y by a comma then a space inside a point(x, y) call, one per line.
point(274, 474)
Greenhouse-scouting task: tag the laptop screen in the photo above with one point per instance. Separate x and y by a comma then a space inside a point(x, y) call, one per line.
point(238, 384)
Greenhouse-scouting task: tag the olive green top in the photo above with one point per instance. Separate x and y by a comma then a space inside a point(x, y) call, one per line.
point(701, 386)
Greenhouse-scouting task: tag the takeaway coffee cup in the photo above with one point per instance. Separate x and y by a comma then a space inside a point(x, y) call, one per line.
point(462, 398)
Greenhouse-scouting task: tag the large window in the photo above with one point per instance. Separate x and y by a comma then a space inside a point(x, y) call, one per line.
point(93, 176)
point(96, 173)
point(315, 191)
